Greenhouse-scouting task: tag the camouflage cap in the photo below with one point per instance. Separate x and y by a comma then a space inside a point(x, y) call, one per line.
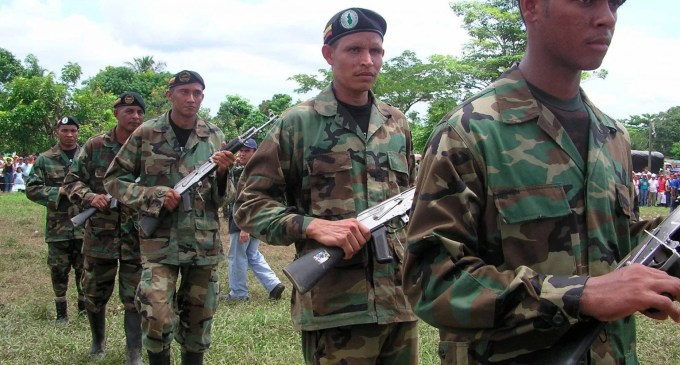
point(129, 98)
point(68, 120)
point(186, 77)
point(353, 20)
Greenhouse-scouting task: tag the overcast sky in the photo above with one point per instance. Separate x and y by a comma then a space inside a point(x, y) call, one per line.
point(251, 47)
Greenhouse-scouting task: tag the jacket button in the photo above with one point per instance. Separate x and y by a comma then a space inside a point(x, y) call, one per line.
point(558, 319)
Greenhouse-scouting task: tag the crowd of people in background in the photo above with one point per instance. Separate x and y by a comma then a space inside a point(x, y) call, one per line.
point(657, 190)
point(14, 170)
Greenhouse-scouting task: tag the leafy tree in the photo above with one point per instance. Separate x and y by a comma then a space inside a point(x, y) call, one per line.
point(146, 64)
point(236, 115)
point(116, 80)
point(309, 83)
point(405, 80)
point(233, 115)
point(156, 103)
point(30, 108)
point(31, 104)
point(94, 111)
point(204, 113)
point(32, 67)
point(675, 151)
point(639, 137)
point(10, 67)
point(667, 131)
point(497, 40)
point(665, 135)
point(70, 74)
point(278, 103)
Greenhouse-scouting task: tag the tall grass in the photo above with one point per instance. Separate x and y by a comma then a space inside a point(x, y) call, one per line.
point(254, 332)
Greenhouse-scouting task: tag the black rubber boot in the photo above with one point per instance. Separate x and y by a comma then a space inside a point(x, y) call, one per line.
point(133, 338)
point(98, 329)
point(160, 358)
point(62, 311)
point(192, 358)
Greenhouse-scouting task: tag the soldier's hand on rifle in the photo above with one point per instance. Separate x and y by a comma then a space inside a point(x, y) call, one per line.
point(223, 160)
point(172, 200)
point(100, 201)
point(348, 234)
point(634, 288)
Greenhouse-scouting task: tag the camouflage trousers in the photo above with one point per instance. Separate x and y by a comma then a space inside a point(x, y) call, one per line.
point(394, 343)
point(184, 313)
point(99, 279)
point(61, 257)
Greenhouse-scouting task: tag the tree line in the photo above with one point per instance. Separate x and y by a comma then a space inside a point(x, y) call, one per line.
point(32, 98)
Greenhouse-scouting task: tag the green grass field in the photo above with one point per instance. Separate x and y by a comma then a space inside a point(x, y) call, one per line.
point(254, 332)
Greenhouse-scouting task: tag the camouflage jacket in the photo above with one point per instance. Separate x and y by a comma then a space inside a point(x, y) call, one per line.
point(234, 176)
point(109, 234)
point(42, 187)
point(509, 221)
point(323, 166)
point(152, 155)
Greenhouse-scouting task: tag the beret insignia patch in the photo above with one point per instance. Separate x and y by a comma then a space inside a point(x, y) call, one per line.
point(184, 77)
point(349, 19)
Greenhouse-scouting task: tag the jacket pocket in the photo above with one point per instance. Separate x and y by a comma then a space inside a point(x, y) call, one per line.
point(399, 173)
point(330, 185)
point(159, 165)
point(453, 353)
point(623, 203)
point(55, 176)
point(99, 174)
point(533, 222)
point(344, 290)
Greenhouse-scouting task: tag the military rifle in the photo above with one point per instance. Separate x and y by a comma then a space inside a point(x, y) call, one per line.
point(307, 270)
point(148, 224)
point(87, 213)
point(661, 250)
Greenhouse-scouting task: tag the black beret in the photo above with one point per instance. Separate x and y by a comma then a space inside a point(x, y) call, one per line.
point(129, 98)
point(353, 20)
point(186, 77)
point(68, 120)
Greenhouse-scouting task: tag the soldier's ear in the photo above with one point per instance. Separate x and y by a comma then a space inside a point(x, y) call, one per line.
point(327, 52)
point(530, 9)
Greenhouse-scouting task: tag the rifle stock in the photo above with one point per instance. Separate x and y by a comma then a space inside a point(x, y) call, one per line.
point(81, 217)
point(306, 271)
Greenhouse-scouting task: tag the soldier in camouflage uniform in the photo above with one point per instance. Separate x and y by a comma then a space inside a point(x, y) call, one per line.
point(330, 158)
point(159, 154)
point(64, 241)
point(111, 242)
point(524, 206)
